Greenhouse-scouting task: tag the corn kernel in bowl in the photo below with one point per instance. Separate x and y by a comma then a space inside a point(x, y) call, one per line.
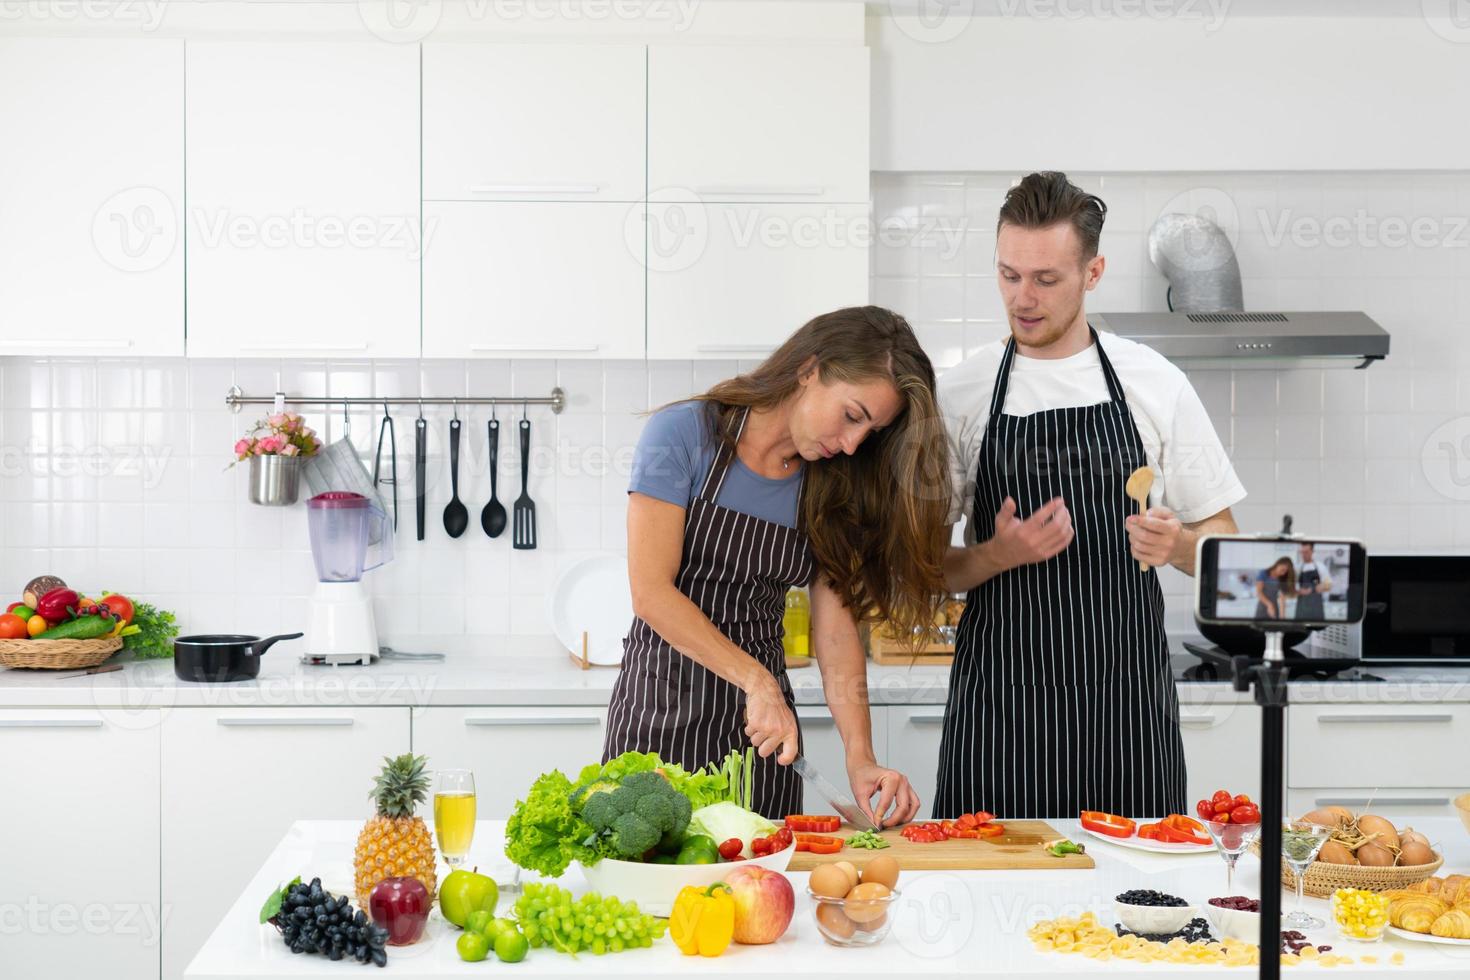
point(1360, 914)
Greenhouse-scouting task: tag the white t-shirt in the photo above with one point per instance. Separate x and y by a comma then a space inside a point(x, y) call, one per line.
point(1192, 474)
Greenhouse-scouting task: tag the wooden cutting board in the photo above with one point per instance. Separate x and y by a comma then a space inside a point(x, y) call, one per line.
point(1019, 848)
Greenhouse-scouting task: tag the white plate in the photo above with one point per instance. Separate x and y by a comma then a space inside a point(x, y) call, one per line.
point(1137, 843)
point(1421, 937)
point(594, 596)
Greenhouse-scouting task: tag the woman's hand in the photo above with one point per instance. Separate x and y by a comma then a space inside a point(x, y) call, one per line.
point(770, 723)
point(894, 791)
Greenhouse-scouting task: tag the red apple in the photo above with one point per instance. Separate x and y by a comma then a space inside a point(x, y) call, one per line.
point(400, 905)
point(764, 903)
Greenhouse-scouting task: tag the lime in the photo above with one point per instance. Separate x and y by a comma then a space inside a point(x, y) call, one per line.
point(472, 947)
point(479, 921)
point(511, 946)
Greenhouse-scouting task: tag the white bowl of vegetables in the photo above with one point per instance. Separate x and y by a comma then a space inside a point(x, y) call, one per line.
point(655, 886)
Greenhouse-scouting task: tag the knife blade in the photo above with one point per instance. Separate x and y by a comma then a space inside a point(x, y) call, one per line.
point(834, 797)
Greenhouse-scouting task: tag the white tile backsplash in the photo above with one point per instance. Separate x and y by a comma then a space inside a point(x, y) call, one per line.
point(116, 472)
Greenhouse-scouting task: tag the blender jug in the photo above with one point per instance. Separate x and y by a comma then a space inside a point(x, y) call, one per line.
point(340, 524)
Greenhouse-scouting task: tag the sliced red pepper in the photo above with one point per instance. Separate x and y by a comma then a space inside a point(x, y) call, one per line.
point(1151, 831)
point(818, 844)
point(988, 830)
point(967, 821)
point(923, 833)
point(803, 823)
point(1180, 829)
point(1107, 824)
point(953, 829)
point(982, 817)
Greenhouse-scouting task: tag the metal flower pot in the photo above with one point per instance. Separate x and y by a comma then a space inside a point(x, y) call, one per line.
point(274, 480)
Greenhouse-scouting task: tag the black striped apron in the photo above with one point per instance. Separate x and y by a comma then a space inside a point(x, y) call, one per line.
point(1061, 697)
point(737, 569)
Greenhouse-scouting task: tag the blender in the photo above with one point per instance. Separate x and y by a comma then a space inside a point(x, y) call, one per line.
point(340, 626)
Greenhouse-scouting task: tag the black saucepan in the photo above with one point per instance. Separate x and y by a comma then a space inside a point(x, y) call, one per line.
point(216, 657)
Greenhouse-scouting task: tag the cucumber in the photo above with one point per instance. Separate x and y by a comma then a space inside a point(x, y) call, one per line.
point(84, 628)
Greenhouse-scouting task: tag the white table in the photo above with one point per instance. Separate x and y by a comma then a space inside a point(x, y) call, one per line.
point(950, 922)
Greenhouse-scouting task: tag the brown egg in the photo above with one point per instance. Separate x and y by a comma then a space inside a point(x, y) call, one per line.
point(1330, 816)
point(1335, 852)
point(1388, 836)
point(829, 881)
point(867, 902)
point(1375, 856)
point(1410, 834)
point(849, 869)
point(835, 921)
point(1416, 852)
point(882, 869)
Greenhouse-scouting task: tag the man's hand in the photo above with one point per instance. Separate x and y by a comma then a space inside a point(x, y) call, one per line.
point(1153, 537)
point(894, 791)
point(1039, 537)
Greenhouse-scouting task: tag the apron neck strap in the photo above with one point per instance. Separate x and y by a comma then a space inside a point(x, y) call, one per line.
point(1008, 359)
point(714, 479)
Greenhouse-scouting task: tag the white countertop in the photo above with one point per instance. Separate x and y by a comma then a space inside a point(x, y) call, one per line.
point(489, 671)
point(971, 922)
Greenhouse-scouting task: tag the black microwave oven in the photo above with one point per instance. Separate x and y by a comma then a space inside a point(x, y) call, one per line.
point(1417, 607)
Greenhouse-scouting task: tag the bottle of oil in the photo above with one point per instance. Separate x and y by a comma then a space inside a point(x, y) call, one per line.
point(798, 624)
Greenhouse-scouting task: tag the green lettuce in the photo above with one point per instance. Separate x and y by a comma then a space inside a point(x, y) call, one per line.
point(545, 834)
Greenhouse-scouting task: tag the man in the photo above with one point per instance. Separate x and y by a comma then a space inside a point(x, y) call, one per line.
point(1312, 583)
point(1061, 698)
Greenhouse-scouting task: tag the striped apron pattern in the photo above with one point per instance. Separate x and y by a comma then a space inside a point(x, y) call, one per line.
point(737, 569)
point(1061, 698)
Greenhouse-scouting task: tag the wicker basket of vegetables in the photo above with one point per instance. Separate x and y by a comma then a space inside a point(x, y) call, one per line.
point(53, 627)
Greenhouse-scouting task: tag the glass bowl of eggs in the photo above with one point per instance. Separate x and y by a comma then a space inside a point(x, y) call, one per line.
point(852, 906)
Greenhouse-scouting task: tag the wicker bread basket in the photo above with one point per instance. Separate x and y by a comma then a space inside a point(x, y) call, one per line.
point(58, 654)
point(1322, 879)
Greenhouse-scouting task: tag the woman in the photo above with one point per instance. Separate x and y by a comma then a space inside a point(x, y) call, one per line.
point(1273, 585)
point(823, 466)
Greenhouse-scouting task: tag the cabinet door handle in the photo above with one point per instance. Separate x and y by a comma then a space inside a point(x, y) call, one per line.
point(548, 188)
point(304, 348)
point(285, 722)
point(50, 723)
point(927, 719)
point(531, 722)
point(1206, 720)
point(735, 348)
point(511, 348)
point(816, 721)
point(1361, 801)
point(758, 190)
point(110, 343)
point(1412, 719)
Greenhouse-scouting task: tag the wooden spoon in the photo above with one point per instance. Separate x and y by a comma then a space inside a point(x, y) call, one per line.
point(1140, 482)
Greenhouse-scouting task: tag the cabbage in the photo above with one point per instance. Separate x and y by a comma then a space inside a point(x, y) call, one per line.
point(721, 821)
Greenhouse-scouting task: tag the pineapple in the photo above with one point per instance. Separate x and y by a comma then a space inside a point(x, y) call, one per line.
point(395, 843)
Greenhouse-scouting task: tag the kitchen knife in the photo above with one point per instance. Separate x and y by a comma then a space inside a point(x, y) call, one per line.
point(420, 470)
point(834, 797)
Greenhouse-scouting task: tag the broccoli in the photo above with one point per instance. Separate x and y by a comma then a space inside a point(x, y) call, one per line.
point(640, 813)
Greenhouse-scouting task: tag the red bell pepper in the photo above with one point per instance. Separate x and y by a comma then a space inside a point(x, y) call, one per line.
point(1151, 831)
point(818, 844)
point(988, 830)
point(1107, 824)
point(1180, 829)
point(803, 823)
point(924, 833)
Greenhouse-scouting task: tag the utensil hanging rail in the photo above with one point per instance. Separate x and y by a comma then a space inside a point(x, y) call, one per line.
point(234, 398)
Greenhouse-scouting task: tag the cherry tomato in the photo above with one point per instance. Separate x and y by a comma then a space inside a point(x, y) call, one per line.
point(12, 627)
point(1221, 797)
point(1205, 809)
point(121, 606)
point(730, 849)
point(1246, 813)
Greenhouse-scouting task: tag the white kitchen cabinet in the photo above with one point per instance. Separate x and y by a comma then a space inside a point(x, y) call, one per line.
point(1373, 746)
point(1395, 804)
point(533, 279)
point(1222, 749)
point(79, 858)
point(758, 123)
point(507, 748)
point(303, 196)
point(234, 780)
point(735, 280)
point(822, 745)
point(914, 732)
point(91, 197)
point(534, 122)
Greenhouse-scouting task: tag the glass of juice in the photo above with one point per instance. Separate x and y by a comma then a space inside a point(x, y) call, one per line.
point(454, 814)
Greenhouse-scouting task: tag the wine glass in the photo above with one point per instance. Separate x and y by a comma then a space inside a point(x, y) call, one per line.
point(1230, 839)
point(454, 814)
point(1300, 842)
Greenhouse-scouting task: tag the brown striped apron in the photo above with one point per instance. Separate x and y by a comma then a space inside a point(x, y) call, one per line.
point(736, 568)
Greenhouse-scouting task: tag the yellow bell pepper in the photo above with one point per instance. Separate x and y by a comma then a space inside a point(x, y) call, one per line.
point(703, 921)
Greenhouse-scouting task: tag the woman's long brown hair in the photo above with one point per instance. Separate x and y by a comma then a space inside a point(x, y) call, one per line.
point(876, 519)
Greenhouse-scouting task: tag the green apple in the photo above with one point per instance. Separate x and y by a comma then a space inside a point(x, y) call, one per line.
point(464, 892)
point(472, 947)
point(510, 947)
point(479, 921)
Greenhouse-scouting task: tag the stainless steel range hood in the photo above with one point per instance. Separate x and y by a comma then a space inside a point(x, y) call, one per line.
point(1255, 338)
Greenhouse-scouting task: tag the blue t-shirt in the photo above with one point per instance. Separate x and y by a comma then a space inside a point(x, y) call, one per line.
point(675, 452)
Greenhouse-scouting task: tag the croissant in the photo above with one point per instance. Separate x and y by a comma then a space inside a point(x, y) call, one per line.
point(1455, 889)
point(1454, 924)
point(1429, 886)
point(1417, 913)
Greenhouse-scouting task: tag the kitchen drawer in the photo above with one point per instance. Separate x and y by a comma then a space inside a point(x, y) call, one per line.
point(1437, 801)
point(913, 748)
point(235, 779)
point(1378, 745)
point(507, 748)
point(822, 744)
point(79, 889)
point(1222, 748)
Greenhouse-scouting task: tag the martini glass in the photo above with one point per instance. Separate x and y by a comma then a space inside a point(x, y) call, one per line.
point(1230, 839)
point(1300, 842)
